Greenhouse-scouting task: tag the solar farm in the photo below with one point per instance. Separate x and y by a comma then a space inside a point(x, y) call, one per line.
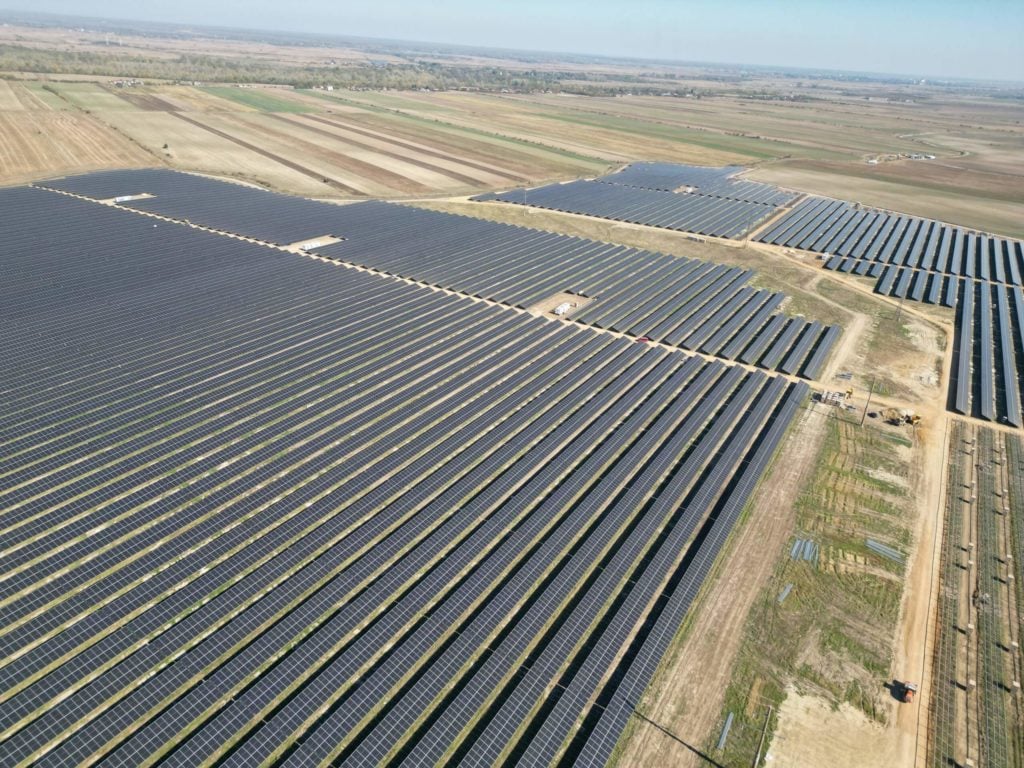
point(363, 508)
point(705, 201)
point(916, 259)
point(703, 180)
point(368, 402)
point(296, 482)
point(680, 302)
point(912, 257)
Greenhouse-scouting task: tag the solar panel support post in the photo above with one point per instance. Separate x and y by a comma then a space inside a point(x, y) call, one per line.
point(764, 733)
point(750, 226)
point(871, 391)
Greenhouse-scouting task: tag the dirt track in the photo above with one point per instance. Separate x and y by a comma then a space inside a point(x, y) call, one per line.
point(421, 149)
point(393, 155)
point(270, 155)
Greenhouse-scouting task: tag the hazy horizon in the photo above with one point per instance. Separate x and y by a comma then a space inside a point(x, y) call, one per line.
point(926, 39)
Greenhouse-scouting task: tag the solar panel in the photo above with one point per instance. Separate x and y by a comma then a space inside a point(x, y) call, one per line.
point(257, 493)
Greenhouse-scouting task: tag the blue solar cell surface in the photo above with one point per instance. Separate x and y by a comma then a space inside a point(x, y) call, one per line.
point(260, 507)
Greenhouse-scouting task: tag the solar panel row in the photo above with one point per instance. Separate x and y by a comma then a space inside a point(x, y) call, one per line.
point(904, 283)
point(681, 302)
point(988, 354)
point(258, 507)
point(921, 260)
point(717, 182)
point(692, 212)
point(853, 236)
point(671, 176)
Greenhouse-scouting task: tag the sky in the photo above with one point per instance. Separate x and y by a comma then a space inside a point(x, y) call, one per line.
point(927, 38)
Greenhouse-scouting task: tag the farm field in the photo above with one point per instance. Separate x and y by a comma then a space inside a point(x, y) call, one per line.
point(284, 140)
point(825, 141)
point(820, 147)
point(612, 138)
point(408, 144)
point(40, 134)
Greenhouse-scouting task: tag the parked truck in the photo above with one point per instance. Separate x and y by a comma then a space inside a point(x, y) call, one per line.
point(906, 692)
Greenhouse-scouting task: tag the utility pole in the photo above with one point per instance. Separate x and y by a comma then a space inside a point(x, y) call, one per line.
point(871, 391)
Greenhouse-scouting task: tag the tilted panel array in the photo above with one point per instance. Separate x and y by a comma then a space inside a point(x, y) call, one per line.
point(257, 508)
point(978, 275)
point(911, 257)
point(692, 212)
point(681, 302)
point(669, 177)
point(988, 352)
point(219, 205)
point(714, 181)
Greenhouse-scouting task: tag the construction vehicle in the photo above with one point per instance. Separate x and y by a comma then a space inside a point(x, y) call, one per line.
point(907, 692)
point(899, 418)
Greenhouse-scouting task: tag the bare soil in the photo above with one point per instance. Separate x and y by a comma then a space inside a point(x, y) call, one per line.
point(193, 148)
point(39, 143)
point(813, 734)
point(547, 306)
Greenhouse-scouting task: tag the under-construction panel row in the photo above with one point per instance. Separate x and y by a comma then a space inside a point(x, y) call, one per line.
point(976, 698)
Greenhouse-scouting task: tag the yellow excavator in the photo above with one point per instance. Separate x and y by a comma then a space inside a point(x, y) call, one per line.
point(899, 418)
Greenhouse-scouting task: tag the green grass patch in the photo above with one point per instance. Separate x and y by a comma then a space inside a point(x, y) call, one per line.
point(758, 149)
point(833, 634)
point(46, 94)
point(579, 163)
point(258, 99)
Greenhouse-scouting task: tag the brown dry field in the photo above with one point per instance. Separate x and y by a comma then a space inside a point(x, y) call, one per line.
point(305, 143)
point(47, 142)
point(417, 144)
point(977, 178)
